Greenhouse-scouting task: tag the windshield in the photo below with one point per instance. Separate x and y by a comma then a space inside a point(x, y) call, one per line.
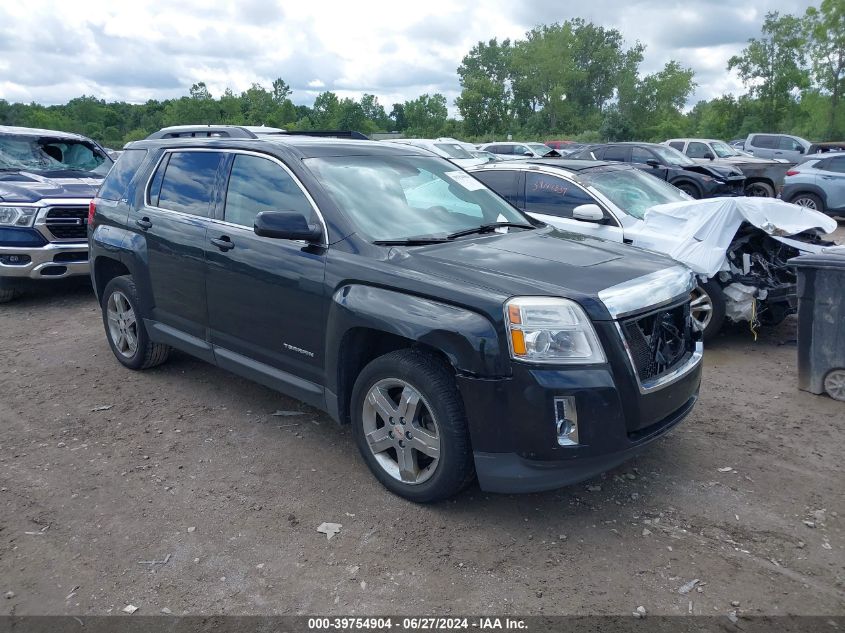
point(723, 150)
point(453, 150)
point(633, 191)
point(540, 148)
point(672, 156)
point(44, 154)
point(402, 197)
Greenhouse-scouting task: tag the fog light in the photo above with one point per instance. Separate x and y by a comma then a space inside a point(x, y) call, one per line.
point(15, 260)
point(566, 421)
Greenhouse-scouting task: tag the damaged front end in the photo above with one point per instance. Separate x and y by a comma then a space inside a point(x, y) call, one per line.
point(758, 286)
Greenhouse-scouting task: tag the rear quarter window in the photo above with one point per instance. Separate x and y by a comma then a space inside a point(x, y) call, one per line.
point(117, 181)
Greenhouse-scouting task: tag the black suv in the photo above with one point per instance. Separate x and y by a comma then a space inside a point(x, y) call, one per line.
point(667, 163)
point(47, 180)
point(394, 291)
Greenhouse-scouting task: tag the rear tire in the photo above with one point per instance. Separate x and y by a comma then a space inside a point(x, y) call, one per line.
point(9, 294)
point(809, 200)
point(760, 190)
point(426, 456)
point(707, 306)
point(125, 331)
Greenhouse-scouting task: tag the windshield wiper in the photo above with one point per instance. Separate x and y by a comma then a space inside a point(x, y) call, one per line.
point(489, 228)
point(412, 241)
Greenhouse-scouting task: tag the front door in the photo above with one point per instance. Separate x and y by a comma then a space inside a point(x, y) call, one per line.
point(265, 296)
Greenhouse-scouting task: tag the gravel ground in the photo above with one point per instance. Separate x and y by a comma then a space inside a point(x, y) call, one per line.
point(188, 466)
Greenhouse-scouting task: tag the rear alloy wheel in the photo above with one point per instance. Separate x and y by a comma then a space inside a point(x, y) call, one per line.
point(409, 423)
point(760, 190)
point(809, 200)
point(707, 309)
point(834, 384)
point(125, 329)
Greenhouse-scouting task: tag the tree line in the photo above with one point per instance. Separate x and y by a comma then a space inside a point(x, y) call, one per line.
point(573, 79)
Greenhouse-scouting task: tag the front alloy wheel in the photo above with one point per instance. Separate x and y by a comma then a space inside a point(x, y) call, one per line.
point(707, 309)
point(122, 323)
point(401, 431)
point(701, 309)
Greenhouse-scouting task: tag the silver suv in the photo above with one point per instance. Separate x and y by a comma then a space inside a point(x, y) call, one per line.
point(818, 184)
point(787, 146)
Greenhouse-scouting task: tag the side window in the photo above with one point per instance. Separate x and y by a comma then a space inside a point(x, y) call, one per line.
point(120, 175)
point(789, 143)
point(500, 181)
point(678, 145)
point(640, 155)
point(521, 150)
point(617, 152)
point(697, 150)
point(257, 184)
point(188, 182)
point(836, 164)
point(764, 141)
point(551, 195)
point(496, 149)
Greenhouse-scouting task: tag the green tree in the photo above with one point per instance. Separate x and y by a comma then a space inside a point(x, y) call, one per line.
point(825, 31)
point(772, 67)
point(426, 115)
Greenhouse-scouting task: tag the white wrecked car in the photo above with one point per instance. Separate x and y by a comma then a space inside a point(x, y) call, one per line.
point(737, 246)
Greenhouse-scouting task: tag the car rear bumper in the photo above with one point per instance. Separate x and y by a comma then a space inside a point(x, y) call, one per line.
point(51, 261)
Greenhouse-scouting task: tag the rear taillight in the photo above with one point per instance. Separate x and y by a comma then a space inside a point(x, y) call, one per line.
point(792, 172)
point(92, 209)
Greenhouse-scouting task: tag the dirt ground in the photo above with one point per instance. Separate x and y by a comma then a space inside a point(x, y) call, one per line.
point(189, 466)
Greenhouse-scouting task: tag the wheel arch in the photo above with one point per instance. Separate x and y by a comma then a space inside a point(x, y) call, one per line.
point(686, 180)
point(104, 270)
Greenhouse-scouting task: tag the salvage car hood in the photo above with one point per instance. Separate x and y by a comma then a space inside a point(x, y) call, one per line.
point(28, 187)
point(698, 233)
point(715, 171)
point(541, 261)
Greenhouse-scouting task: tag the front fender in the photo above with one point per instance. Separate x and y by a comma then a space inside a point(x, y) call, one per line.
point(468, 339)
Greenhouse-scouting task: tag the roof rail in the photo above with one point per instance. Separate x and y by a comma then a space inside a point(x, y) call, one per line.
point(245, 131)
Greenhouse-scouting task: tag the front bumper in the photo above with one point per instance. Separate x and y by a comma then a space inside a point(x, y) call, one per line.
point(735, 186)
point(514, 434)
point(36, 263)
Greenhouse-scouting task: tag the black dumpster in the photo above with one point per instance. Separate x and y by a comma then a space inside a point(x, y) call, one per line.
point(821, 321)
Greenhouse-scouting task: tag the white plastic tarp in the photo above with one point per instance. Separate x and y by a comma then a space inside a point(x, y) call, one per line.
point(699, 232)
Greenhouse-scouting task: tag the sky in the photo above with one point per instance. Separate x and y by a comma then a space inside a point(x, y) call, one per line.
point(134, 50)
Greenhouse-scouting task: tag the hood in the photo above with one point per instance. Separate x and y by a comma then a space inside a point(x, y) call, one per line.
point(714, 171)
point(27, 187)
point(745, 160)
point(698, 233)
point(544, 261)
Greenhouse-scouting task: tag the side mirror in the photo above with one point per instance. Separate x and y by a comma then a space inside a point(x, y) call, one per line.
point(653, 162)
point(285, 225)
point(588, 213)
point(801, 150)
point(710, 156)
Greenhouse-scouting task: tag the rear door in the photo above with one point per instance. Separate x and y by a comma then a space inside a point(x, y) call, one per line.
point(173, 222)
point(832, 179)
point(265, 296)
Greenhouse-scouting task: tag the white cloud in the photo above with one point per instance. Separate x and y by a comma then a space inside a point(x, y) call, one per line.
point(52, 51)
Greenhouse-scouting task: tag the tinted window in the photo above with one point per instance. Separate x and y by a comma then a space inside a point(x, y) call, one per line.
point(764, 141)
point(553, 196)
point(698, 150)
point(257, 184)
point(502, 182)
point(678, 145)
point(617, 152)
point(115, 184)
point(640, 155)
point(835, 164)
point(188, 182)
point(789, 143)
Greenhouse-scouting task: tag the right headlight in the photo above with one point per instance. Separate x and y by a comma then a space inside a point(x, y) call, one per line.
point(551, 330)
point(17, 216)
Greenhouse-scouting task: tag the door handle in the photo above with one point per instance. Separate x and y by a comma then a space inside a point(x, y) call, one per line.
point(223, 243)
point(144, 223)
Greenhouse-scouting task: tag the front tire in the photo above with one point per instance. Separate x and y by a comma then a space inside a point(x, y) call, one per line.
point(8, 294)
point(409, 424)
point(125, 331)
point(707, 307)
point(690, 189)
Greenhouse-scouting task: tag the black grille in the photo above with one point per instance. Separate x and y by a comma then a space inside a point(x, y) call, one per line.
point(68, 222)
point(659, 341)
